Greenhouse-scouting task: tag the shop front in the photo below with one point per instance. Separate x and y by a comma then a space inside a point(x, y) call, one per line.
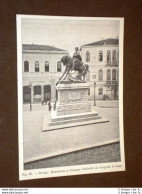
point(37, 93)
point(26, 94)
point(47, 92)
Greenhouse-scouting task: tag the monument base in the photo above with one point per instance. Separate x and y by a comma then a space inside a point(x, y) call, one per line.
point(73, 108)
point(72, 120)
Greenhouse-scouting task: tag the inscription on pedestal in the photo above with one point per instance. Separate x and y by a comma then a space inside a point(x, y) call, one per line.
point(73, 109)
point(70, 96)
point(73, 99)
point(73, 95)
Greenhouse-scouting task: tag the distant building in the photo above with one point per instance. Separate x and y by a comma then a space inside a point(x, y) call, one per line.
point(103, 60)
point(41, 71)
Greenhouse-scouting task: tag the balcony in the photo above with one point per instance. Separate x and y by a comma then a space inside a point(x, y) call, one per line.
point(112, 63)
point(108, 83)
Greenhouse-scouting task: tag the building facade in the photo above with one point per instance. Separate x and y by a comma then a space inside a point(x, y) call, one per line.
point(103, 60)
point(41, 68)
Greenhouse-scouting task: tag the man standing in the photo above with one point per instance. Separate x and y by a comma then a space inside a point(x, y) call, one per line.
point(49, 106)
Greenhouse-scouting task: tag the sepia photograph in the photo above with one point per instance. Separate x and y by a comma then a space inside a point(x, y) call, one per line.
point(70, 95)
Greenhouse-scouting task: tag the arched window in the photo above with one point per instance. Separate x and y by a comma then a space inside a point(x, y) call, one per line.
point(26, 66)
point(59, 66)
point(100, 75)
point(87, 56)
point(114, 74)
point(100, 55)
point(108, 75)
point(114, 55)
point(108, 55)
point(37, 66)
point(46, 66)
point(100, 91)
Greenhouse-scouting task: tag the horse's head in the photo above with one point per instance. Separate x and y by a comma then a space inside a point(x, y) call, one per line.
point(65, 59)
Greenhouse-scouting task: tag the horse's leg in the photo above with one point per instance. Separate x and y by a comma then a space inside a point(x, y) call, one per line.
point(63, 74)
point(66, 74)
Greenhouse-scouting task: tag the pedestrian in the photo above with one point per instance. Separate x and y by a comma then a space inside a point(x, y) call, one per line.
point(49, 106)
point(45, 101)
point(55, 106)
point(42, 102)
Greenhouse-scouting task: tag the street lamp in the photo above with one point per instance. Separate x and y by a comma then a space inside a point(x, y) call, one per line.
point(31, 96)
point(94, 94)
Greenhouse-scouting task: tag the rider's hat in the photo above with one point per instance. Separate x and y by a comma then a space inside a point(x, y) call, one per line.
point(76, 48)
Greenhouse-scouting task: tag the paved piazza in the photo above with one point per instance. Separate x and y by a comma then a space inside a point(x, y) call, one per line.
point(38, 144)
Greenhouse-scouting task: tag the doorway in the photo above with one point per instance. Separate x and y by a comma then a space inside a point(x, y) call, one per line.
point(115, 95)
point(26, 94)
point(37, 94)
point(47, 92)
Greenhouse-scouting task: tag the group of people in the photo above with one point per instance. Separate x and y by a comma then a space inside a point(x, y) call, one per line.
point(44, 102)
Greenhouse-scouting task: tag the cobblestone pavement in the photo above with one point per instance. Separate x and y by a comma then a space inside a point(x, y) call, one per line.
point(38, 144)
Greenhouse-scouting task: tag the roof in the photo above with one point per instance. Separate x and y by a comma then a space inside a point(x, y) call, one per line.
point(41, 47)
point(109, 41)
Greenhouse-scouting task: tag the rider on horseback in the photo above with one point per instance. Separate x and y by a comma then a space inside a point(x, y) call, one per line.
point(74, 63)
point(77, 57)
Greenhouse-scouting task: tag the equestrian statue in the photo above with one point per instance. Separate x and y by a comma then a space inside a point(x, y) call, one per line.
point(74, 65)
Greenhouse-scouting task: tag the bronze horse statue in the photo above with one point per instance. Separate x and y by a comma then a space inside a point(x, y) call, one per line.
point(74, 64)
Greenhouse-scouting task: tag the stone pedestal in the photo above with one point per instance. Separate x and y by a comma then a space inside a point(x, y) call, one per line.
point(73, 108)
point(72, 99)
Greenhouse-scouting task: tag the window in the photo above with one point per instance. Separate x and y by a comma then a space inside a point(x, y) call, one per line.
point(37, 90)
point(37, 66)
point(114, 55)
point(108, 55)
point(58, 66)
point(100, 91)
point(100, 75)
point(114, 74)
point(100, 55)
point(108, 74)
point(26, 66)
point(87, 56)
point(46, 66)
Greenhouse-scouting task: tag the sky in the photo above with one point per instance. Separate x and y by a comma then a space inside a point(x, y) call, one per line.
point(67, 34)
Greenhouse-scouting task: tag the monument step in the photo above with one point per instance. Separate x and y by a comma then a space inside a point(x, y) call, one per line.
point(74, 120)
point(47, 127)
point(69, 117)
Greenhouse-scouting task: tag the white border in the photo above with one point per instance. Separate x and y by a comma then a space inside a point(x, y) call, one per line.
point(69, 170)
